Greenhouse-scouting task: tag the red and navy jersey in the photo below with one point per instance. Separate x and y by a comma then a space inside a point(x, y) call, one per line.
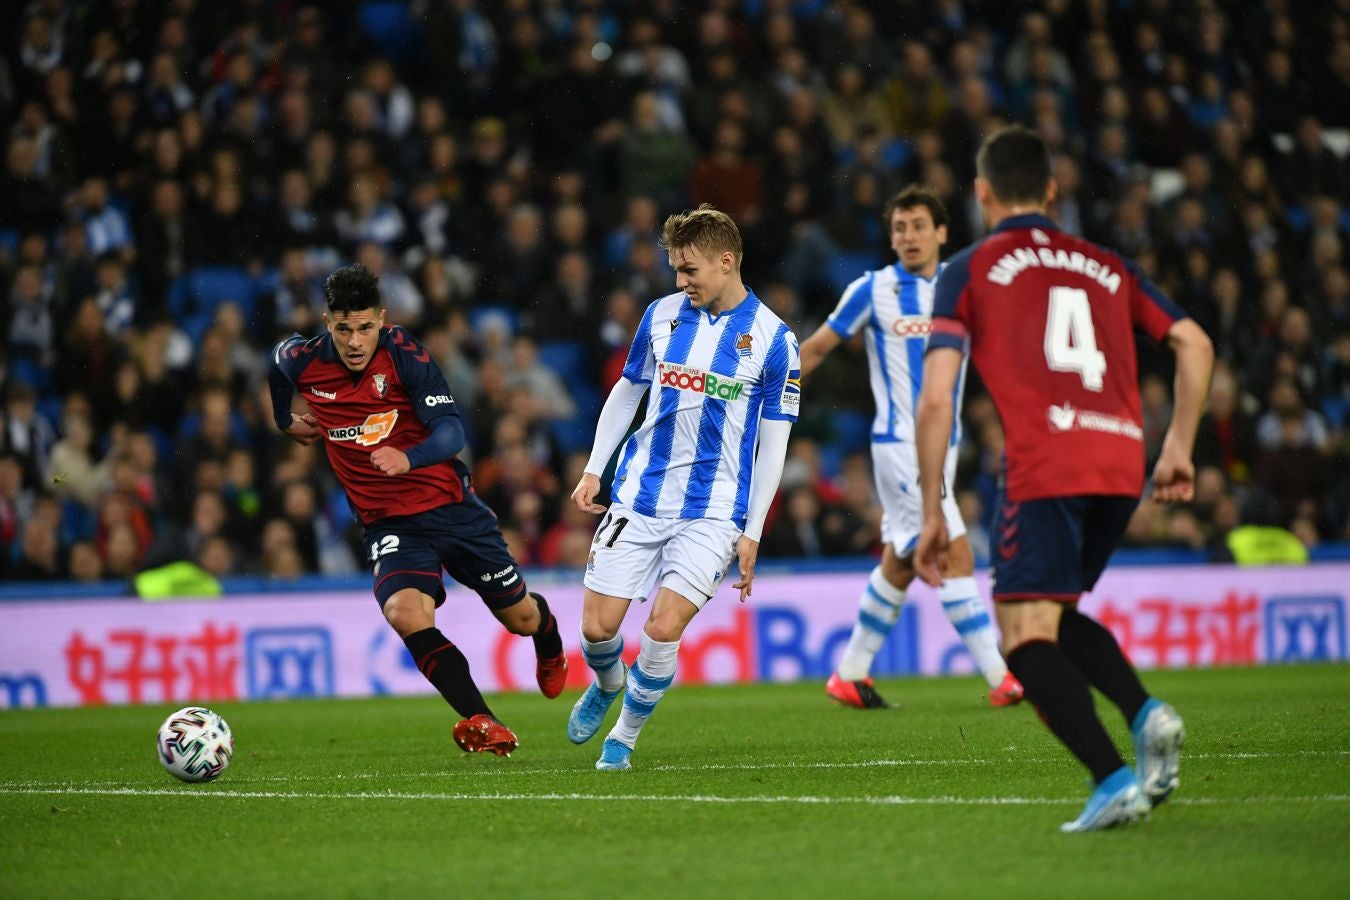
point(393, 402)
point(1049, 321)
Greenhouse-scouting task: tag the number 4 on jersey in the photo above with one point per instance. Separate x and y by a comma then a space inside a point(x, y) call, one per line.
point(1071, 340)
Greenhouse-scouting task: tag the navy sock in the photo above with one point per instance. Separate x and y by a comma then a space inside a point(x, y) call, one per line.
point(442, 663)
point(1091, 647)
point(1062, 697)
point(547, 641)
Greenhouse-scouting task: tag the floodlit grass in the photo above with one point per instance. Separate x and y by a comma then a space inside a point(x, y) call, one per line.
point(736, 792)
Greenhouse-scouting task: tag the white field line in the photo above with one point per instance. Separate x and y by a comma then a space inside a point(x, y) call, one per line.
point(816, 800)
point(524, 770)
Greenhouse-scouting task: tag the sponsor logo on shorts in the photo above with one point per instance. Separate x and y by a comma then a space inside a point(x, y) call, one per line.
point(687, 378)
point(492, 576)
point(374, 429)
point(1065, 418)
point(318, 393)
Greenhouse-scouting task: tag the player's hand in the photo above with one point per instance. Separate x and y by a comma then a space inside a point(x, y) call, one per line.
point(391, 461)
point(1173, 476)
point(304, 429)
point(584, 495)
point(930, 556)
point(746, 552)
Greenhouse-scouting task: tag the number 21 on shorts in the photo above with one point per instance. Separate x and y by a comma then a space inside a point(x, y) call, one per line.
point(1071, 339)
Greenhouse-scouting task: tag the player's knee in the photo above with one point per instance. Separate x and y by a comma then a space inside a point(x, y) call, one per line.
point(520, 618)
point(665, 628)
point(409, 611)
point(594, 630)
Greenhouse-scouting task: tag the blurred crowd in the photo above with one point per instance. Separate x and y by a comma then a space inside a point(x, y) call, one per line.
point(179, 176)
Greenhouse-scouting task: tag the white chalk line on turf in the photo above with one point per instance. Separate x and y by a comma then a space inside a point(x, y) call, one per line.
point(518, 770)
point(885, 800)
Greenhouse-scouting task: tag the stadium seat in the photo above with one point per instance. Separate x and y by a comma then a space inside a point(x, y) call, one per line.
point(488, 315)
point(193, 298)
point(895, 153)
point(32, 373)
point(852, 429)
point(576, 434)
point(390, 27)
point(847, 266)
point(567, 358)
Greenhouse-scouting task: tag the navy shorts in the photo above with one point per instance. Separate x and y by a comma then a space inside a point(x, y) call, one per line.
point(1057, 547)
point(409, 552)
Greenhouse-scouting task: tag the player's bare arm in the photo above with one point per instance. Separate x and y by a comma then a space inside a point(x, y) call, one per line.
point(391, 461)
point(1174, 475)
point(747, 550)
point(304, 429)
point(941, 368)
point(585, 493)
point(818, 346)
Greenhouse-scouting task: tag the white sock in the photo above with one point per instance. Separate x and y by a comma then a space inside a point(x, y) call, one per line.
point(648, 679)
point(961, 602)
point(878, 608)
point(603, 658)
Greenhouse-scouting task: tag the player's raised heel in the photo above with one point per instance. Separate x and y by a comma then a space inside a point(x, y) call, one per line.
point(614, 756)
point(1119, 800)
point(1008, 693)
point(551, 674)
point(589, 712)
point(858, 694)
point(484, 734)
point(1158, 735)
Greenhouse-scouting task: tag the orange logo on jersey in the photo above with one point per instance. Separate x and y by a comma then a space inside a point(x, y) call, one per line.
point(374, 429)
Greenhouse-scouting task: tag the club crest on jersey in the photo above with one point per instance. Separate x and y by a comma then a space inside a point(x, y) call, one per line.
point(745, 343)
point(381, 384)
point(374, 429)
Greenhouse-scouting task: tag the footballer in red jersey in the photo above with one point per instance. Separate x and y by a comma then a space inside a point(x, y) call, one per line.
point(392, 431)
point(1049, 322)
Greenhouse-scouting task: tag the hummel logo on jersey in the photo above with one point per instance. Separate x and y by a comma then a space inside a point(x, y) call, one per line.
point(1065, 418)
point(1061, 417)
point(381, 384)
point(374, 429)
point(318, 393)
point(687, 378)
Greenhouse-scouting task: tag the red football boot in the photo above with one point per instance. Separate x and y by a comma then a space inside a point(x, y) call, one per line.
point(484, 734)
point(551, 674)
point(1008, 692)
point(858, 694)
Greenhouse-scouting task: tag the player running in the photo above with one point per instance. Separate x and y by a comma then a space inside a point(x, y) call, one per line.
point(1049, 321)
point(694, 483)
point(894, 307)
point(392, 432)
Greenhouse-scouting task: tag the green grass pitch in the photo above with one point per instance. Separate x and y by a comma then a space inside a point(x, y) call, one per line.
point(745, 791)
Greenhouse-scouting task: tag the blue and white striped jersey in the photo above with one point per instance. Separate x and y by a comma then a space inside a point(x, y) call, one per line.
point(895, 307)
point(712, 379)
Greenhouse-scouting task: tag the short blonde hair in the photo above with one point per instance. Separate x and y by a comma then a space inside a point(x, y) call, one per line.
point(710, 230)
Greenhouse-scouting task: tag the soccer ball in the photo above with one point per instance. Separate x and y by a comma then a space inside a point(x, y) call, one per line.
point(195, 744)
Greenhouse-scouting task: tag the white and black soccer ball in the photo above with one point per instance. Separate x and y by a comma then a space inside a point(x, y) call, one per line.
point(195, 744)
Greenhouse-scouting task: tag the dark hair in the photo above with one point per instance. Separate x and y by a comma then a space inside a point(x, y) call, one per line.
point(352, 289)
point(1016, 164)
point(913, 196)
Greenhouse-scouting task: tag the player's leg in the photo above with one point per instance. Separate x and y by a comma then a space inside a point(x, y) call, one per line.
point(693, 562)
point(602, 647)
point(1157, 730)
point(882, 598)
point(1036, 573)
point(624, 554)
point(879, 607)
point(966, 611)
point(475, 554)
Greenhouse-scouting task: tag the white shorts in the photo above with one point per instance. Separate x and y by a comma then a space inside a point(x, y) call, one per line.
point(632, 553)
point(896, 470)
